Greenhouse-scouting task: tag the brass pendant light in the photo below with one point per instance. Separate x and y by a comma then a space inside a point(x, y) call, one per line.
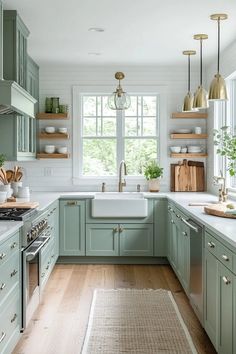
point(188, 99)
point(200, 100)
point(119, 100)
point(218, 90)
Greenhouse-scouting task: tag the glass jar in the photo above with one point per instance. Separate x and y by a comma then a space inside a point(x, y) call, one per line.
point(48, 105)
point(55, 104)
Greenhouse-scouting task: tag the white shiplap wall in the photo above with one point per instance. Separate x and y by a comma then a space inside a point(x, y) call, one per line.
point(58, 81)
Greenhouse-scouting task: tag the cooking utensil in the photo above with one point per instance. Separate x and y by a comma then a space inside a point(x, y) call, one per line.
point(3, 176)
point(10, 175)
point(18, 177)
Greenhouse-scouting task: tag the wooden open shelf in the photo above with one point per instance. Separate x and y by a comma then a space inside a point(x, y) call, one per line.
point(189, 115)
point(44, 135)
point(188, 136)
point(51, 115)
point(187, 155)
point(43, 155)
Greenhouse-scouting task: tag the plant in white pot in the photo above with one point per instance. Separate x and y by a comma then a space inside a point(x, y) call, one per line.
point(153, 172)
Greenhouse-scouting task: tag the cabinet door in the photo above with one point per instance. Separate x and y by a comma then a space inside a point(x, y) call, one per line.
point(136, 239)
point(102, 240)
point(72, 228)
point(160, 228)
point(211, 306)
point(173, 243)
point(183, 262)
point(225, 310)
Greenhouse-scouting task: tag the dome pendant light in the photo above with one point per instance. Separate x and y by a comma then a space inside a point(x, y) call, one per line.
point(119, 100)
point(218, 90)
point(200, 100)
point(188, 99)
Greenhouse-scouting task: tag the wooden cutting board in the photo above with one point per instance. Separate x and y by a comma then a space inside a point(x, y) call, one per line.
point(218, 210)
point(187, 176)
point(20, 205)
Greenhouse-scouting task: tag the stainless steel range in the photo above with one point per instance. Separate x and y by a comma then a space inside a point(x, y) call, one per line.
point(16, 214)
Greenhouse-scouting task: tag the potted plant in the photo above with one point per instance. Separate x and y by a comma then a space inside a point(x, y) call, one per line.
point(2, 160)
point(153, 172)
point(226, 146)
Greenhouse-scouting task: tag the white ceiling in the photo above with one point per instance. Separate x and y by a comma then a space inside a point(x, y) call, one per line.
point(137, 32)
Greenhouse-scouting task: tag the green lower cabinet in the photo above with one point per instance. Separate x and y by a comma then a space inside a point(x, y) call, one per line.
point(183, 256)
point(225, 310)
point(173, 249)
point(102, 240)
point(136, 240)
point(72, 227)
point(160, 228)
point(211, 306)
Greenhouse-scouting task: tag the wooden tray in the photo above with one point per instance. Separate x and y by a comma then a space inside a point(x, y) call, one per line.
point(218, 210)
point(20, 205)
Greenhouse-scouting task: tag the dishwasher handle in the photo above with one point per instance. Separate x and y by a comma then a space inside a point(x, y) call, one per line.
point(194, 228)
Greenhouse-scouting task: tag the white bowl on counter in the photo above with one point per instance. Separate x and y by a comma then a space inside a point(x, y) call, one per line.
point(50, 130)
point(175, 149)
point(49, 149)
point(62, 130)
point(62, 149)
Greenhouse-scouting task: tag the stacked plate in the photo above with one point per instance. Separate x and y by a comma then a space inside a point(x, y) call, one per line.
point(183, 131)
point(194, 149)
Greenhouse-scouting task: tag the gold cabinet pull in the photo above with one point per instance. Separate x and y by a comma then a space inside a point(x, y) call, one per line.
point(226, 280)
point(121, 229)
point(2, 336)
point(72, 203)
point(14, 318)
point(211, 244)
point(225, 258)
point(13, 273)
point(2, 255)
point(115, 229)
point(2, 286)
point(14, 245)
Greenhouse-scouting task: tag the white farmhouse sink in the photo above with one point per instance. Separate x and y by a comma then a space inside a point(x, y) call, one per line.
point(119, 205)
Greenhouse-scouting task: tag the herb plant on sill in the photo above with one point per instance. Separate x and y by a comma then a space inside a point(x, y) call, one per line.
point(153, 172)
point(226, 147)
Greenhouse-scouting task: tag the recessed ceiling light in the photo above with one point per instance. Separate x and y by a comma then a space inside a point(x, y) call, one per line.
point(94, 53)
point(96, 29)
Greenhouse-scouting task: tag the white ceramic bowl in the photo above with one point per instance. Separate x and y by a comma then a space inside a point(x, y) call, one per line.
point(183, 131)
point(175, 149)
point(3, 196)
point(183, 150)
point(62, 150)
point(49, 149)
point(62, 130)
point(50, 129)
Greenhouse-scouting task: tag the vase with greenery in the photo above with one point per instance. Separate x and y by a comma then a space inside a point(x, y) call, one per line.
point(153, 172)
point(2, 159)
point(225, 142)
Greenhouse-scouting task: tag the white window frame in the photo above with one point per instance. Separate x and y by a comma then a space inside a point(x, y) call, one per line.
point(77, 93)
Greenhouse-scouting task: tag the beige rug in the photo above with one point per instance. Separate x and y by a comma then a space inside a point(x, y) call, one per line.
point(136, 321)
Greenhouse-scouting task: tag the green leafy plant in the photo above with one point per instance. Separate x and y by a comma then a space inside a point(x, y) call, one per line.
point(2, 159)
point(226, 146)
point(152, 170)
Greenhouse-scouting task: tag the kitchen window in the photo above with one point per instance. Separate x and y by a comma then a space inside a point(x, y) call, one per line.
point(103, 137)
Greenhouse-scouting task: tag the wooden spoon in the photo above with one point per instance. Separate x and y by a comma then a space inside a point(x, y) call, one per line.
point(9, 174)
point(4, 176)
point(19, 175)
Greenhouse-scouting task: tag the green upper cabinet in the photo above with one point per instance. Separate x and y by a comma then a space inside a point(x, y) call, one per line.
point(72, 227)
point(18, 133)
point(15, 35)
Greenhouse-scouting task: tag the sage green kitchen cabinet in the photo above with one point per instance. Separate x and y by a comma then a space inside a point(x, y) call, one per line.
point(160, 227)
point(102, 240)
point(172, 239)
point(183, 254)
point(136, 239)
point(15, 35)
point(72, 227)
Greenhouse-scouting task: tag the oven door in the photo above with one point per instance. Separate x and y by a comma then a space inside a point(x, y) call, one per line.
point(30, 283)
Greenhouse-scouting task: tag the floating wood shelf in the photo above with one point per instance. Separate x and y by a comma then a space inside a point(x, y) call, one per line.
point(189, 115)
point(44, 135)
point(43, 155)
point(187, 155)
point(188, 136)
point(52, 116)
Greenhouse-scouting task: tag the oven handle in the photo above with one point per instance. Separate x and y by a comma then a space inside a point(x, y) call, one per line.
point(31, 255)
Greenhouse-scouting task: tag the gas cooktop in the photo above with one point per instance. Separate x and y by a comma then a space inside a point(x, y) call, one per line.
point(15, 213)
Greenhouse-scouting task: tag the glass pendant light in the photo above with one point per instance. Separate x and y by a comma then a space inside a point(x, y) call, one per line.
point(200, 100)
point(218, 90)
point(188, 99)
point(119, 100)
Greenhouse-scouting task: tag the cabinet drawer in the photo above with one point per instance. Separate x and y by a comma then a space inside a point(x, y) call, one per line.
point(9, 247)
point(211, 244)
point(225, 256)
point(9, 322)
point(9, 276)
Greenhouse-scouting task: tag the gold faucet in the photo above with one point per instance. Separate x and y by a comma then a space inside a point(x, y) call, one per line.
point(223, 191)
point(122, 182)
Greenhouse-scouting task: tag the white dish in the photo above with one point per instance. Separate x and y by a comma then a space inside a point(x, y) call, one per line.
point(175, 149)
point(62, 130)
point(49, 149)
point(62, 150)
point(50, 130)
point(183, 131)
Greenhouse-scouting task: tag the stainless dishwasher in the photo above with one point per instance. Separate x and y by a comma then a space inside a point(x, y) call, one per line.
point(196, 266)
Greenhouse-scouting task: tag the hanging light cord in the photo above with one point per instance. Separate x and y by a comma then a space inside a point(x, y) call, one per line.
point(218, 54)
point(189, 73)
point(200, 62)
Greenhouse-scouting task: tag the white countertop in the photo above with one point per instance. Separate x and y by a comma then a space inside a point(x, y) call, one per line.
point(8, 227)
point(224, 228)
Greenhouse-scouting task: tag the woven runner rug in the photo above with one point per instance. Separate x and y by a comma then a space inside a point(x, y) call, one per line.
point(136, 321)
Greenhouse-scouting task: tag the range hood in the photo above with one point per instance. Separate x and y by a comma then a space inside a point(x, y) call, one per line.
point(13, 98)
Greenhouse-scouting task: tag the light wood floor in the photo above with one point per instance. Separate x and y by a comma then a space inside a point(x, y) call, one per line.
point(59, 324)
